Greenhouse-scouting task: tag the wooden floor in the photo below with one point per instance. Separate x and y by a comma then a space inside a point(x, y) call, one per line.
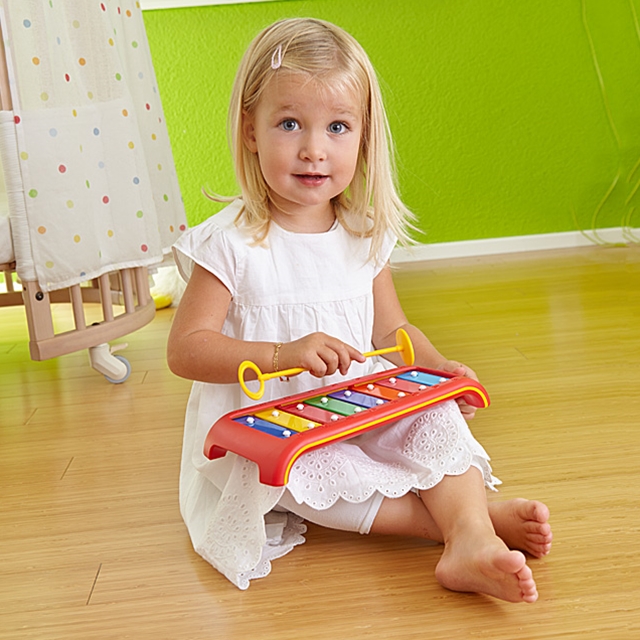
point(91, 541)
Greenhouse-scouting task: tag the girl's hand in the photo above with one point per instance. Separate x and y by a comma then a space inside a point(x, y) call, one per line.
point(459, 369)
point(320, 354)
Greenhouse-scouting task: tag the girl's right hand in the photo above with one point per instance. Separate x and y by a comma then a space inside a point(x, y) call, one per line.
point(318, 353)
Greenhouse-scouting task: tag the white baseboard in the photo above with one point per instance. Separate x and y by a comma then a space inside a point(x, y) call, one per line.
point(511, 244)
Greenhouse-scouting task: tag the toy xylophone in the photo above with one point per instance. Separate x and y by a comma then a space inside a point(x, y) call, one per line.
point(274, 434)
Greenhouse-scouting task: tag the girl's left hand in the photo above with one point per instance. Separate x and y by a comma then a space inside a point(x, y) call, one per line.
point(459, 369)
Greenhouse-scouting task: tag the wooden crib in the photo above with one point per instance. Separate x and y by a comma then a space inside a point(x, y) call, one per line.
point(127, 288)
point(123, 297)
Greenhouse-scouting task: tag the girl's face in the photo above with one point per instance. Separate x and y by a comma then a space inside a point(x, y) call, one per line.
point(307, 139)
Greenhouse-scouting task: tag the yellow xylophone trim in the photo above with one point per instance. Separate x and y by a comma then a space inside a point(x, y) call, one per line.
point(389, 418)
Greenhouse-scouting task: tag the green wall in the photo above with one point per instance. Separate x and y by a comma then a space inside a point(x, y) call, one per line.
point(510, 118)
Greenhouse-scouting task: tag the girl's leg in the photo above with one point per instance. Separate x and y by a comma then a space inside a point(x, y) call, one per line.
point(521, 524)
point(475, 559)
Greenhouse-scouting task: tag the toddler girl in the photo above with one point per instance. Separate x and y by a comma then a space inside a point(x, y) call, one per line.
point(296, 274)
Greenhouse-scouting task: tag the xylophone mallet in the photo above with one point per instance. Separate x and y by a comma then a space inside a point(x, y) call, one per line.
point(403, 345)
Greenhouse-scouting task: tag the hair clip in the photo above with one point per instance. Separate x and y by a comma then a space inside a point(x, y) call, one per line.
point(276, 58)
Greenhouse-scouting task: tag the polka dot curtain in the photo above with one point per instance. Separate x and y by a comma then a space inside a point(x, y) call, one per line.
point(99, 182)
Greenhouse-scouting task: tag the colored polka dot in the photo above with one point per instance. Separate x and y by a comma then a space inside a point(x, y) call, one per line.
point(140, 75)
point(44, 96)
point(49, 264)
point(131, 145)
point(154, 136)
point(136, 180)
point(88, 184)
point(165, 197)
point(76, 24)
point(125, 113)
point(139, 214)
point(67, 77)
point(128, 13)
point(171, 228)
point(75, 113)
point(53, 132)
point(33, 193)
point(82, 62)
point(16, 119)
point(159, 167)
point(70, 204)
point(42, 230)
point(24, 155)
point(101, 165)
point(182, 227)
point(96, 131)
point(118, 77)
point(134, 44)
point(102, 6)
point(26, 23)
point(90, 95)
point(144, 248)
point(147, 106)
point(62, 169)
point(76, 239)
point(105, 199)
point(111, 42)
point(35, 60)
point(110, 233)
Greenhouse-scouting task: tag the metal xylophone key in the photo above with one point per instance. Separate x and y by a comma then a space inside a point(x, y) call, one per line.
point(285, 420)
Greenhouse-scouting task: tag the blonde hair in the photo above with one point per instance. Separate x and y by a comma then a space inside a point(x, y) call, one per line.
point(371, 206)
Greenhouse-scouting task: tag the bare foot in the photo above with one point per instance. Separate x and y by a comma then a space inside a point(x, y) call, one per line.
point(483, 564)
point(523, 524)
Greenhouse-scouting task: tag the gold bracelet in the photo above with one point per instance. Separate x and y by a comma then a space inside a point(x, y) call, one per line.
point(276, 351)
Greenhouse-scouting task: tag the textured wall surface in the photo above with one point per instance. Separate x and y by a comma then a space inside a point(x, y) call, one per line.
point(509, 118)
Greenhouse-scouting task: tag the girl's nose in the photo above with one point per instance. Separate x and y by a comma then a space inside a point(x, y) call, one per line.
point(312, 148)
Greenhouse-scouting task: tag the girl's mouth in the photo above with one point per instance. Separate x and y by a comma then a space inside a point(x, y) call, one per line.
point(311, 180)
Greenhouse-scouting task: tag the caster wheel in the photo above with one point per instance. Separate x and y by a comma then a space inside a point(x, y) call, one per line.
point(126, 375)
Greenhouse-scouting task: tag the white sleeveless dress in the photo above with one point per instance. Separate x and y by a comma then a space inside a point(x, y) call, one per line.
point(295, 285)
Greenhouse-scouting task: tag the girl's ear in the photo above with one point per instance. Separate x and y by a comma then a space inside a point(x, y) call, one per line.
point(249, 132)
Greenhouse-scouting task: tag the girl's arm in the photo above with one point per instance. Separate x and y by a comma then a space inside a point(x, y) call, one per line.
point(389, 317)
point(197, 349)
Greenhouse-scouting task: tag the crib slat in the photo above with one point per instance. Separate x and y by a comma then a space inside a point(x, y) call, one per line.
point(105, 297)
point(8, 280)
point(78, 308)
point(142, 285)
point(127, 290)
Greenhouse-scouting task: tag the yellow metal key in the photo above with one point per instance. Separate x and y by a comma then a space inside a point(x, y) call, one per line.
point(286, 420)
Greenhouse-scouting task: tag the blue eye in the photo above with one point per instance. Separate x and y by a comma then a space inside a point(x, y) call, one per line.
point(289, 125)
point(338, 127)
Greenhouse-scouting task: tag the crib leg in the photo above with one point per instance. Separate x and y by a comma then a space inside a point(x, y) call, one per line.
point(115, 369)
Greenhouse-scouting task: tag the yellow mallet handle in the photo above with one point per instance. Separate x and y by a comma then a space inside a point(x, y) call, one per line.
point(403, 345)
